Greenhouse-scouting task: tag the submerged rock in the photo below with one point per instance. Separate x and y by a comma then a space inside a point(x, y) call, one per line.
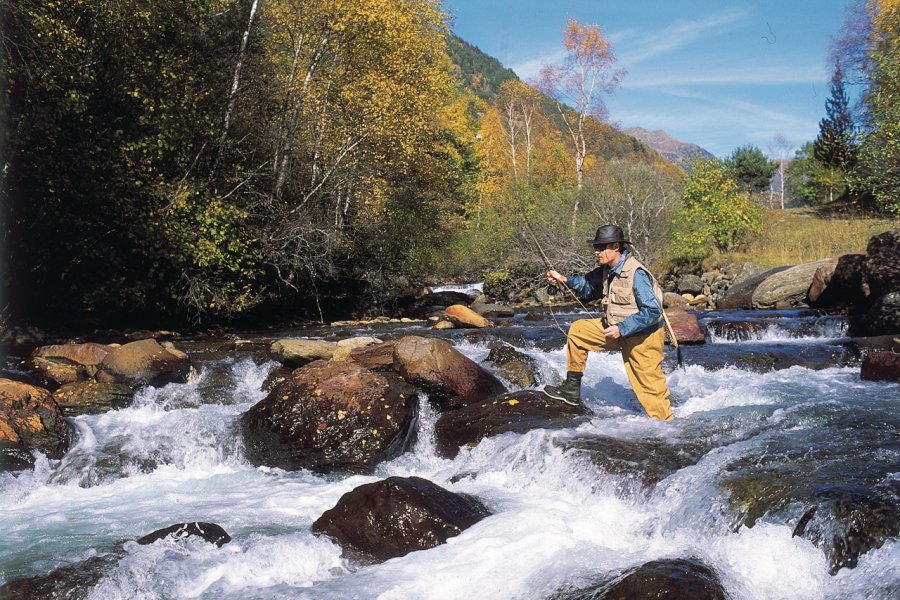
point(516, 412)
point(856, 501)
point(31, 419)
point(396, 516)
point(331, 415)
point(71, 582)
point(14, 457)
point(450, 378)
point(92, 397)
point(517, 367)
point(647, 461)
point(667, 579)
point(209, 532)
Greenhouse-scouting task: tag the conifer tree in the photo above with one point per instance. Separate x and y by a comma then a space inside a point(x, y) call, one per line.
point(836, 145)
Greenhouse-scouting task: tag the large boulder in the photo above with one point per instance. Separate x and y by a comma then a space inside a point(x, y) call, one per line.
point(332, 415)
point(30, 419)
point(669, 579)
point(66, 363)
point(92, 397)
point(396, 516)
point(689, 284)
point(686, 327)
point(882, 318)
point(882, 264)
point(821, 279)
point(144, 362)
point(673, 300)
point(450, 378)
point(516, 412)
point(463, 316)
point(298, 352)
point(843, 286)
point(740, 294)
point(788, 288)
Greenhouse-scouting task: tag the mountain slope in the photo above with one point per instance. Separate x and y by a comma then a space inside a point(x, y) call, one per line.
point(680, 153)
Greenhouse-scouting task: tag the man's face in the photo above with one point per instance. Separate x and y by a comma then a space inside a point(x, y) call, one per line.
point(608, 254)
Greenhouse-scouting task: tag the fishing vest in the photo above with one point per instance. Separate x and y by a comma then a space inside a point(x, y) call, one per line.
point(618, 296)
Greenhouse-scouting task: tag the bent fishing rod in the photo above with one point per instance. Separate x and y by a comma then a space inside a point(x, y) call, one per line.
point(549, 266)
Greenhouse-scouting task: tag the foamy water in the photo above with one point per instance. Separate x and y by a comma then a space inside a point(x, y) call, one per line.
point(558, 520)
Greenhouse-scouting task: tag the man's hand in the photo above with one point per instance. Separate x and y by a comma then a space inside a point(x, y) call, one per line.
point(612, 332)
point(554, 278)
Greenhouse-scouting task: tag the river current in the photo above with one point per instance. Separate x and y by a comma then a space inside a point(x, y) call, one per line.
point(770, 394)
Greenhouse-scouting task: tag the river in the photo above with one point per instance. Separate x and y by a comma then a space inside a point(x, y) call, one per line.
point(771, 418)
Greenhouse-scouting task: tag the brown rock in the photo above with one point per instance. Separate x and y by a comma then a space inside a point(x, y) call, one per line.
point(450, 378)
point(396, 516)
point(463, 316)
point(686, 327)
point(517, 412)
point(91, 397)
point(377, 357)
point(882, 264)
point(673, 300)
point(821, 279)
point(675, 579)
point(343, 348)
point(30, 418)
point(298, 352)
point(332, 415)
point(65, 363)
point(144, 362)
point(880, 366)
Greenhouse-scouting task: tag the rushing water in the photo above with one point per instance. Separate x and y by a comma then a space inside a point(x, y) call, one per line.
point(559, 519)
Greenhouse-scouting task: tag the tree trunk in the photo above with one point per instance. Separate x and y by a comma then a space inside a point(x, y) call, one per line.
point(235, 84)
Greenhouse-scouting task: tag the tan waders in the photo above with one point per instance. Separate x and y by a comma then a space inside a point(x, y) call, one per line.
point(643, 356)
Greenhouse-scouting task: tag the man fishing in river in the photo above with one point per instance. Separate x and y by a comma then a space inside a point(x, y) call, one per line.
point(632, 301)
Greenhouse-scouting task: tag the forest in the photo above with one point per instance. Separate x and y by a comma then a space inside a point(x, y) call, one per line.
point(174, 162)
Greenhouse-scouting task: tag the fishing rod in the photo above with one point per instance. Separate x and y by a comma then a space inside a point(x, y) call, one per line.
point(549, 266)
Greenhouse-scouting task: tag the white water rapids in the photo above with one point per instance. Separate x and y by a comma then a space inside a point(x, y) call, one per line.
point(175, 456)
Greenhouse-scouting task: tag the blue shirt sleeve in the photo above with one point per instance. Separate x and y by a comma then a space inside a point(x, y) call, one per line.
point(649, 311)
point(588, 286)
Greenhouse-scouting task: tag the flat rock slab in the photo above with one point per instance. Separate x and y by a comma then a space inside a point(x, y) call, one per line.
point(517, 412)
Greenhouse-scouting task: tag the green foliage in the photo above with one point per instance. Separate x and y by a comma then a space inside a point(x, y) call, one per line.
point(836, 145)
point(480, 72)
point(812, 182)
point(751, 169)
point(878, 166)
point(713, 213)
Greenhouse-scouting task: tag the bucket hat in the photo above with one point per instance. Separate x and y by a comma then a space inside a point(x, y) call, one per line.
point(607, 234)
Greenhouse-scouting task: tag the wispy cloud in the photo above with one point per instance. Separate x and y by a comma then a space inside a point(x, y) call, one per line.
point(639, 46)
point(756, 75)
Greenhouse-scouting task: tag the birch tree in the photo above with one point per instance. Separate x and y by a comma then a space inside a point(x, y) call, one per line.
point(577, 86)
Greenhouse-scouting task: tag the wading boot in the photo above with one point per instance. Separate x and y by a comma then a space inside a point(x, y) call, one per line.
point(569, 392)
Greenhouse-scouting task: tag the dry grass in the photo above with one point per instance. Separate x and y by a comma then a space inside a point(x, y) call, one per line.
point(795, 236)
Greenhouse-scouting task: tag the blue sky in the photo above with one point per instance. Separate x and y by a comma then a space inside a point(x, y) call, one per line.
point(719, 74)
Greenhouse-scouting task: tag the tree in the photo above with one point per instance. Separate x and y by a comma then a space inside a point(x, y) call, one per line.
point(586, 73)
point(713, 212)
point(878, 164)
point(638, 197)
point(751, 169)
point(836, 145)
